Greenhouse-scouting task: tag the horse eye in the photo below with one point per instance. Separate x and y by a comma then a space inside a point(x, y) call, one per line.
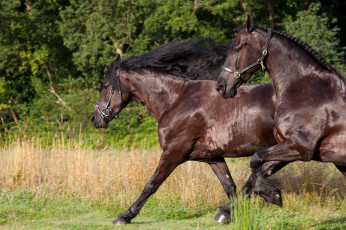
point(236, 49)
point(105, 86)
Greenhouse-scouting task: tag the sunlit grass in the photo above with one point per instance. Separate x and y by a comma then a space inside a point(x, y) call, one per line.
point(112, 179)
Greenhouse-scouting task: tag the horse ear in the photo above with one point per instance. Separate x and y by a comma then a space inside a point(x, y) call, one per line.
point(118, 59)
point(249, 24)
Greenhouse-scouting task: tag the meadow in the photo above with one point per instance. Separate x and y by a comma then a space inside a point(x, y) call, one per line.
point(69, 186)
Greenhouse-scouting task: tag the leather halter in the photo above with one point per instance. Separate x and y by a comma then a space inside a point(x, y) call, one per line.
point(259, 61)
point(107, 110)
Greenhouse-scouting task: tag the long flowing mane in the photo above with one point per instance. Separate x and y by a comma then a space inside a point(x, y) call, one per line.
point(199, 58)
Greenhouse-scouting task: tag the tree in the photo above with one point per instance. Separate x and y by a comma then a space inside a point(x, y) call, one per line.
point(31, 47)
point(316, 30)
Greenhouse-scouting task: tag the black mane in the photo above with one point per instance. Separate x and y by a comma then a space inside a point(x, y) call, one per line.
point(304, 46)
point(318, 57)
point(193, 59)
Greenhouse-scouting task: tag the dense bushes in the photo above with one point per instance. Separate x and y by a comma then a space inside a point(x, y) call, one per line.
point(54, 53)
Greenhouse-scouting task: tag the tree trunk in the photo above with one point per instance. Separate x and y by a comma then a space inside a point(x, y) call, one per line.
point(246, 9)
point(271, 13)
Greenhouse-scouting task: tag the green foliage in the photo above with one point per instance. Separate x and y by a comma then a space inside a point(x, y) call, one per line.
point(54, 53)
point(93, 30)
point(246, 214)
point(23, 210)
point(30, 46)
point(316, 29)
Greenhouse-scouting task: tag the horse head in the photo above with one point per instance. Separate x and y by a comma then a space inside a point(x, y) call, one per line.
point(114, 96)
point(246, 55)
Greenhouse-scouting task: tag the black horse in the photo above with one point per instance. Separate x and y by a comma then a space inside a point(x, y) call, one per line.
point(310, 114)
point(195, 122)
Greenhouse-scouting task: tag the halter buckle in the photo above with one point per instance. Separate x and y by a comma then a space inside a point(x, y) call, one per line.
point(106, 114)
point(237, 74)
point(264, 52)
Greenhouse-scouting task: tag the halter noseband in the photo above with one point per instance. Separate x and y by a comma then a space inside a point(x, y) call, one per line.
point(259, 61)
point(107, 110)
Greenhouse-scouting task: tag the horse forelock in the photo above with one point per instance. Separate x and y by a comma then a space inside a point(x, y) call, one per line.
point(110, 75)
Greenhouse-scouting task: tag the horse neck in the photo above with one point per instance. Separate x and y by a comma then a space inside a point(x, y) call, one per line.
point(156, 92)
point(288, 64)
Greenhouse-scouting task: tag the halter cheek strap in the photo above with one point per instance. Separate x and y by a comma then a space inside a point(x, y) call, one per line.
point(259, 61)
point(106, 111)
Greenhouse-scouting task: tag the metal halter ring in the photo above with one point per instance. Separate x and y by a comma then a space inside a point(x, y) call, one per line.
point(237, 74)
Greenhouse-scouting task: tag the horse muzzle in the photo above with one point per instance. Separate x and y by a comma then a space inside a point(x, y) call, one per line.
point(98, 121)
point(226, 93)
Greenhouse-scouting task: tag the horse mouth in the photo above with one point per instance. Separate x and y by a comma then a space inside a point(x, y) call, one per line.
point(99, 122)
point(233, 92)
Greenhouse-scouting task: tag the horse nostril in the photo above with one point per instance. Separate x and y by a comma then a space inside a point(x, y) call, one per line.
point(220, 88)
point(92, 119)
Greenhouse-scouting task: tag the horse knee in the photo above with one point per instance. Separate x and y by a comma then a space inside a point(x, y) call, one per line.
point(256, 161)
point(150, 188)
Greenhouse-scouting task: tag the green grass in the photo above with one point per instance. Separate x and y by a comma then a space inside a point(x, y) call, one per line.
point(25, 210)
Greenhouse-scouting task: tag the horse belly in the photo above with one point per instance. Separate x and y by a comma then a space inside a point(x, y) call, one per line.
point(333, 148)
point(242, 139)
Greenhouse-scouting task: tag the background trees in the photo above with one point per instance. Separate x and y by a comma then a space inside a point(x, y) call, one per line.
point(54, 52)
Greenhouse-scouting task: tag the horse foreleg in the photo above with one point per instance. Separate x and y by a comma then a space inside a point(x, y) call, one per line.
point(268, 169)
point(222, 172)
point(283, 153)
point(165, 167)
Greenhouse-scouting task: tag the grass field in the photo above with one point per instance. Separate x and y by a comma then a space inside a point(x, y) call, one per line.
point(68, 187)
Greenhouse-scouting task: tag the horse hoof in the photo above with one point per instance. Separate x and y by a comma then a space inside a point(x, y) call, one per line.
point(273, 196)
point(269, 190)
point(277, 199)
point(120, 221)
point(222, 217)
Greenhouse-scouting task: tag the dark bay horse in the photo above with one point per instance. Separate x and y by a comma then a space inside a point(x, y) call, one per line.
point(310, 114)
point(195, 122)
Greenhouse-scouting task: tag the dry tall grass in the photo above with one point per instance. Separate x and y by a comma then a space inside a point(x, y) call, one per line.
point(99, 174)
point(67, 169)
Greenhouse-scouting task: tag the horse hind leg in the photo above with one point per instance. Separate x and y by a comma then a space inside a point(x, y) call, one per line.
point(222, 172)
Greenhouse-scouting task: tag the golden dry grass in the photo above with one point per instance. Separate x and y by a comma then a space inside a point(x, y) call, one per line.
point(99, 174)
point(65, 169)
